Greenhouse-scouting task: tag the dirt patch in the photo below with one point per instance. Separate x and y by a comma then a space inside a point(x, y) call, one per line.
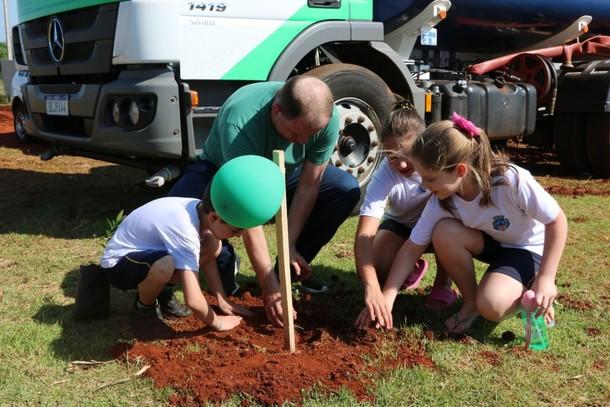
point(591, 331)
point(575, 191)
point(573, 303)
point(493, 358)
point(599, 364)
point(203, 366)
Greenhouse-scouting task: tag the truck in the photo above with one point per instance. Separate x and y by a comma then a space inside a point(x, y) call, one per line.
point(139, 82)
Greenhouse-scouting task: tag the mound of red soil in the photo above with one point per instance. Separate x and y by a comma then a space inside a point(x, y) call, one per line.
point(204, 366)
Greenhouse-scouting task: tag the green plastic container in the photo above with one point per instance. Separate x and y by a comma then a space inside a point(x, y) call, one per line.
point(539, 336)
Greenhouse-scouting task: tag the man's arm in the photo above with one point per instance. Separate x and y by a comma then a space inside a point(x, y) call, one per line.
point(256, 247)
point(302, 204)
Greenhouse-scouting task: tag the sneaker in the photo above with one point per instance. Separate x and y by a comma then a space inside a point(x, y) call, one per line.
point(314, 286)
point(227, 276)
point(170, 306)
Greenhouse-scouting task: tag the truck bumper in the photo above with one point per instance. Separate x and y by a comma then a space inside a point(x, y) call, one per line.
point(89, 125)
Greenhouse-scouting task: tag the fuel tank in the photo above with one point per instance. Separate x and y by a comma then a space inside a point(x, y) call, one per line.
point(497, 26)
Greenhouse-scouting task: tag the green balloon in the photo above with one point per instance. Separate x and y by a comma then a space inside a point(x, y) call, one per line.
point(247, 191)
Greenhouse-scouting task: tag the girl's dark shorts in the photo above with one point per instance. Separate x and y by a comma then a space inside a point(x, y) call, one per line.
point(132, 269)
point(520, 264)
point(399, 228)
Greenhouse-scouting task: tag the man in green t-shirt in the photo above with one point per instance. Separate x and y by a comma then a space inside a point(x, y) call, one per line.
point(300, 118)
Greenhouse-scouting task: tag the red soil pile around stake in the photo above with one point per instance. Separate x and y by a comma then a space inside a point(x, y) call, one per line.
point(203, 366)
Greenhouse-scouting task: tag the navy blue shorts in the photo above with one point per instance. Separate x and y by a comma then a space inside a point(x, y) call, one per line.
point(520, 264)
point(132, 269)
point(399, 228)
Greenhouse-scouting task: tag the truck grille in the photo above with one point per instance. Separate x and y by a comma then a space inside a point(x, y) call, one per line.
point(88, 38)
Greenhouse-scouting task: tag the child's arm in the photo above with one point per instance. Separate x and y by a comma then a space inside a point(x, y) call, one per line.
point(210, 247)
point(555, 236)
point(196, 302)
point(403, 264)
point(378, 309)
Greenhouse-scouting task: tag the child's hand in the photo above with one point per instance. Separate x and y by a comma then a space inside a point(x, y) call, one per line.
point(229, 308)
point(377, 309)
point(546, 291)
point(225, 323)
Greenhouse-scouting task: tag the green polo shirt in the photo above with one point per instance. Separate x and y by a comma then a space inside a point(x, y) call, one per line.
point(243, 126)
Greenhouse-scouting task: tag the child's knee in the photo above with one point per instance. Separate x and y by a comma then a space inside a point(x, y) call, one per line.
point(491, 307)
point(445, 232)
point(163, 269)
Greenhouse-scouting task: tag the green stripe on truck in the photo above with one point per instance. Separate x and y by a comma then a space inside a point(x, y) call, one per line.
point(257, 64)
point(32, 9)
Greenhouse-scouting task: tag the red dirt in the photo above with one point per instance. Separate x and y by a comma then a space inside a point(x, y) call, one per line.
point(203, 366)
point(573, 303)
point(592, 331)
point(574, 191)
point(493, 358)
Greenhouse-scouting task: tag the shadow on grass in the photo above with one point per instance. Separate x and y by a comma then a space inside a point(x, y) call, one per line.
point(86, 340)
point(70, 205)
point(409, 310)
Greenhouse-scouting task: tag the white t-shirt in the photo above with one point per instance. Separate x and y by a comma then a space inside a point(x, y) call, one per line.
point(404, 196)
point(515, 219)
point(168, 224)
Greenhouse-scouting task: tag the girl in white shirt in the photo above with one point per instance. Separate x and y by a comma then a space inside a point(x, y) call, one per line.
point(482, 207)
point(392, 205)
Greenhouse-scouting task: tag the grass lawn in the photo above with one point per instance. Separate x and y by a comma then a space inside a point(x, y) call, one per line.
point(54, 219)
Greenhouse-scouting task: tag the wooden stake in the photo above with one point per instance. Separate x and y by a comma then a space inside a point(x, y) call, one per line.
point(281, 230)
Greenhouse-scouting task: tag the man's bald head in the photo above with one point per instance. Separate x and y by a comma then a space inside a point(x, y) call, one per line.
point(308, 98)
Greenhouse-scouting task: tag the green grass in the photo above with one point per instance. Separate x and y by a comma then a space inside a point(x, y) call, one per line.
point(54, 219)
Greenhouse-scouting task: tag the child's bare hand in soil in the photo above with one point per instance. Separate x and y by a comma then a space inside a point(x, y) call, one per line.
point(230, 308)
point(225, 322)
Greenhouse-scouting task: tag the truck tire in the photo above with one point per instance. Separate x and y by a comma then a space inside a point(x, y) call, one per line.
point(569, 135)
point(364, 101)
point(598, 144)
point(19, 117)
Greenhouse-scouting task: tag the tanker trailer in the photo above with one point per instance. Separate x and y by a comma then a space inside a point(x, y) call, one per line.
point(533, 86)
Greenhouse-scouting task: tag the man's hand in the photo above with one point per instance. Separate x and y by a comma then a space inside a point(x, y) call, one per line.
point(273, 308)
point(301, 268)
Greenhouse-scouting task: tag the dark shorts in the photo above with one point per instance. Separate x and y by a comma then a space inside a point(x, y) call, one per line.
point(399, 228)
point(520, 264)
point(132, 269)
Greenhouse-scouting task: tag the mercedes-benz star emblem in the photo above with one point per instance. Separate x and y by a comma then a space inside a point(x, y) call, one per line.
point(55, 38)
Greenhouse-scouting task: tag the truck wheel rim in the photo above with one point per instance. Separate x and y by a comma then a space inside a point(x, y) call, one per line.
point(359, 144)
point(19, 126)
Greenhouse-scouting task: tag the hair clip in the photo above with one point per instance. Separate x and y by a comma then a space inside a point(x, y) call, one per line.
point(403, 104)
point(465, 126)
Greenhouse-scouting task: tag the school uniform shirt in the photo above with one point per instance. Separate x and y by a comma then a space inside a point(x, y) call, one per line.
point(243, 126)
point(166, 224)
point(394, 196)
point(515, 218)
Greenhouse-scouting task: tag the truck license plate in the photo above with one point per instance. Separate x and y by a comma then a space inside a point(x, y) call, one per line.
point(57, 105)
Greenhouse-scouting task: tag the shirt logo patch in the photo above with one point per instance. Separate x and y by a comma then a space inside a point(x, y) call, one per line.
point(500, 223)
